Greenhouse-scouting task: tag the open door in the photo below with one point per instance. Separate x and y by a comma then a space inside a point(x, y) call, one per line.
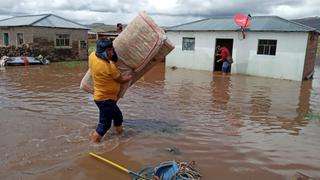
point(228, 43)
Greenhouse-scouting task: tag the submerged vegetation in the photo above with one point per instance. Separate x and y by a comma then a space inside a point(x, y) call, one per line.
point(73, 64)
point(311, 116)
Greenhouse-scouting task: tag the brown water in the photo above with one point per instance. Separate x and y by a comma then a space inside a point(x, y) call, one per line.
point(237, 127)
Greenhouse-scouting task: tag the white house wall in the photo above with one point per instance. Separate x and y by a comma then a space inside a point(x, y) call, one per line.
point(288, 63)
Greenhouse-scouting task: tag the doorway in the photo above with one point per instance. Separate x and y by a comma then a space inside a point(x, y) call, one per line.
point(228, 43)
point(6, 39)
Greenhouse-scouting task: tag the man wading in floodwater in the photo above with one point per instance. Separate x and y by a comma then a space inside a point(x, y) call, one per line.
point(106, 84)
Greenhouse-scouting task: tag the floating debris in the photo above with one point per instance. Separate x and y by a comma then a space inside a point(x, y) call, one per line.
point(173, 170)
point(173, 150)
point(169, 170)
point(300, 176)
point(174, 67)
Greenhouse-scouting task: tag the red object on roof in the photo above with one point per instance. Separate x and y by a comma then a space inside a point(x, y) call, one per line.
point(242, 20)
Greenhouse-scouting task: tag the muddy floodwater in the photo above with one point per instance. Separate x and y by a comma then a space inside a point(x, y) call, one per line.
point(234, 127)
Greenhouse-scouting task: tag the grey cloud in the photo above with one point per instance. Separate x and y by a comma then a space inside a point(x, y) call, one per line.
point(211, 8)
point(180, 10)
point(123, 6)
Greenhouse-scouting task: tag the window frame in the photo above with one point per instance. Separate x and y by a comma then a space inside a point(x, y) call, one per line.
point(193, 47)
point(17, 40)
point(64, 42)
point(269, 47)
point(83, 44)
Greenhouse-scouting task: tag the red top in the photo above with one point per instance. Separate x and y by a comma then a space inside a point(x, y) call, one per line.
point(224, 53)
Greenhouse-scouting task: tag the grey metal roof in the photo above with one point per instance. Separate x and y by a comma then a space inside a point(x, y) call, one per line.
point(258, 23)
point(310, 21)
point(91, 32)
point(42, 20)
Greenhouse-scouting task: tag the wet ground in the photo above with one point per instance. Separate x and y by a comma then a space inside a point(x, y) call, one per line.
point(237, 127)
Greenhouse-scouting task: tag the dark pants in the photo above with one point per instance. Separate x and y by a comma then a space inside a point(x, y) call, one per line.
point(226, 67)
point(108, 111)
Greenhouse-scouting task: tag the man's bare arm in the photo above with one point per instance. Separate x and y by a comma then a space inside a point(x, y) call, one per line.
point(123, 78)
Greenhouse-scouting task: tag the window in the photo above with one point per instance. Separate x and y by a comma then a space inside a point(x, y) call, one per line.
point(267, 47)
point(19, 39)
point(188, 44)
point(62, 40)
point(83, 44)
point(6, 39)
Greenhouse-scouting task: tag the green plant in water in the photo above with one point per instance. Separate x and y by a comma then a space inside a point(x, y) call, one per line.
point(72, 64)
point(311, 116)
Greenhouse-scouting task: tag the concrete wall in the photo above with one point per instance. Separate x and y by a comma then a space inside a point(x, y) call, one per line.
point(42, 40)
point(288, 63)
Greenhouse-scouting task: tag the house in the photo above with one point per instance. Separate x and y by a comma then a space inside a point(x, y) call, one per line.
point(270, 47)
point(45, 34)
point(312, 22)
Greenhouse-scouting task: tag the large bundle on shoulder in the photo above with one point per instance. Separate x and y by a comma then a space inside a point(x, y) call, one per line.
point(139, 47)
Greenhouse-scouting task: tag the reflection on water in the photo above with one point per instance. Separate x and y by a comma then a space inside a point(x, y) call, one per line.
point(234, 127)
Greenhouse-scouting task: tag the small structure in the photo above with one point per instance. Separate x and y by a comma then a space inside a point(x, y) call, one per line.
point(312, 22)
point(46, 34)
point(111, 34)
point(273, 47)
point(92, 37)
point(103, 31)
point(107, 35)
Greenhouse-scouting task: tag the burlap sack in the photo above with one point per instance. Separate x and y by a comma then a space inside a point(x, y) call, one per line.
point(139, 42)
point(86, 83)
point(139, 47)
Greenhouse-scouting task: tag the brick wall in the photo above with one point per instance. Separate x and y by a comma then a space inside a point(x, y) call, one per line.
point(311, 53)
point(44, 40)
point(12, 32)
point(318, 49)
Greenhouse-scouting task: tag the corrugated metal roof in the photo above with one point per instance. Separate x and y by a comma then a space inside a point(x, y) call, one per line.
point(311, 21)
point(42, 20)
point(258, 23)
point(21, 20)
point(91, 32)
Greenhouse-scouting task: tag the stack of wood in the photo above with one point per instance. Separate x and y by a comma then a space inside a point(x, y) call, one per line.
point(13, 51)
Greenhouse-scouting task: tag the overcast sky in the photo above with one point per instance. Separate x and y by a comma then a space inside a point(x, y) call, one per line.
point(164, 12)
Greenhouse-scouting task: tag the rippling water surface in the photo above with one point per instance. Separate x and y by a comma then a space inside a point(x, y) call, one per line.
point(234, 127)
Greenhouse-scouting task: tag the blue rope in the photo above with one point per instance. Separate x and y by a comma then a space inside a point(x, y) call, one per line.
point(147, 172)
